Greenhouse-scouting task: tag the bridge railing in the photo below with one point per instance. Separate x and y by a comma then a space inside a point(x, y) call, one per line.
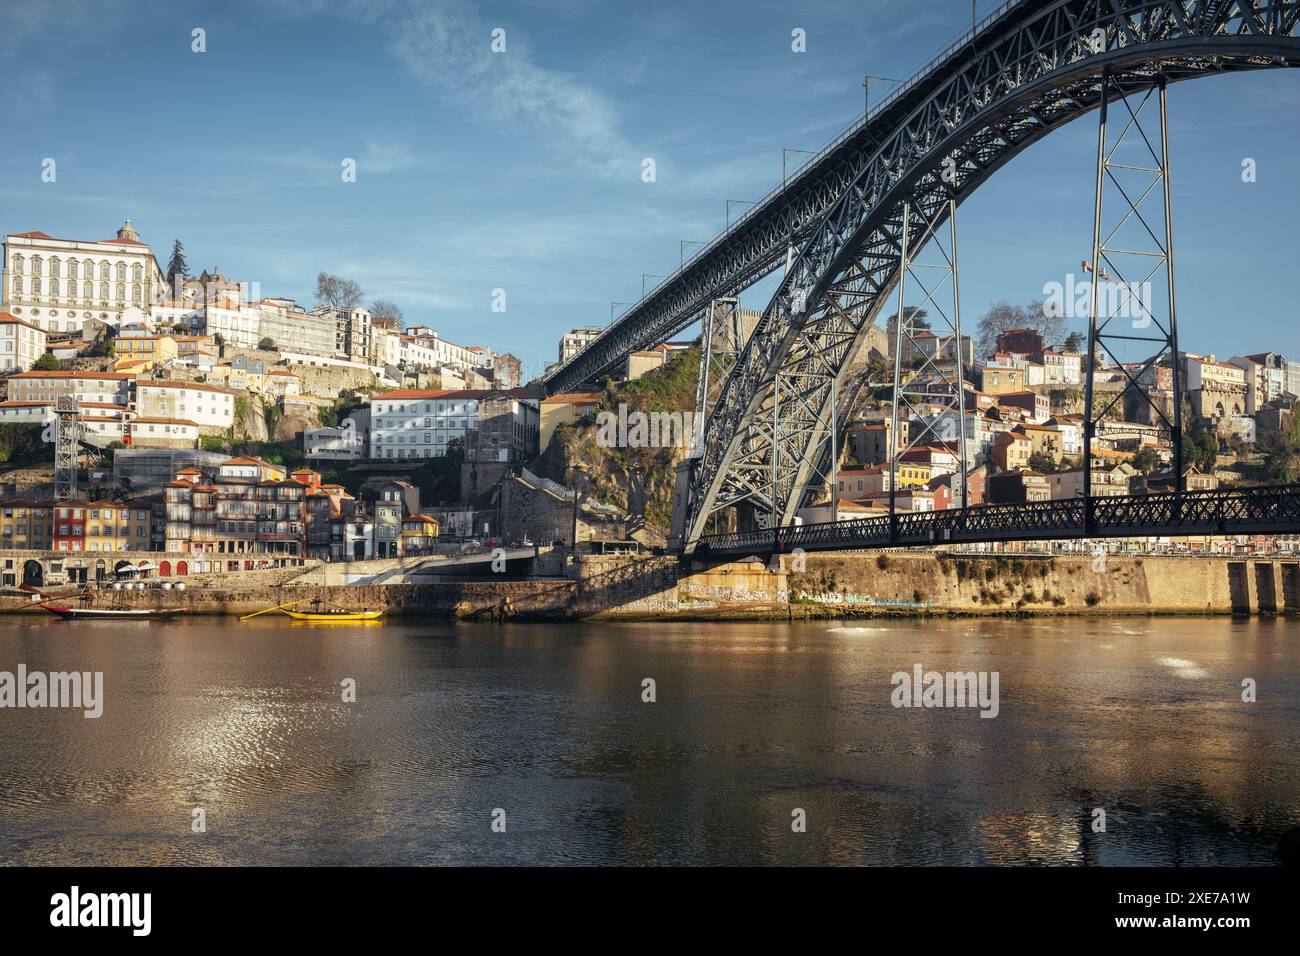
point(1219, 511)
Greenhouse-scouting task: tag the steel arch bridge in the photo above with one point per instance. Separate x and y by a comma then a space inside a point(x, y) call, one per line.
point(1031, 67)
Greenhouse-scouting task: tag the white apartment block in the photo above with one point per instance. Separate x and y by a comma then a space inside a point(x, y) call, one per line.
point(58, 284)
point(576, 340)
point(290, 326)
point(112, 388)
point(345, 443)
point(1062, 368)
point(238, 325)
point(354, 337)
point(208, 406)
point(420, 424)
point(21, 343)
point(438, 351)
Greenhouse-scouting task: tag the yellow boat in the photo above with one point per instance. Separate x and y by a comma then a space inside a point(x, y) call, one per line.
point(334, 616)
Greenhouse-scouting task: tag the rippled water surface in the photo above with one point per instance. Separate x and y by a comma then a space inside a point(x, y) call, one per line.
point(1142, 718)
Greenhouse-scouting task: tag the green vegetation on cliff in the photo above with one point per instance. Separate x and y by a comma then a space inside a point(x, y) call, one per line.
point(638, 480)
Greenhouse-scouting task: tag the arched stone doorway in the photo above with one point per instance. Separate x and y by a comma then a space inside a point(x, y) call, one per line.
point(34, 574)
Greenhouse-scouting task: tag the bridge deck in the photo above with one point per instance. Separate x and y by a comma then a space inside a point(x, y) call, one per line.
point(1264, 510)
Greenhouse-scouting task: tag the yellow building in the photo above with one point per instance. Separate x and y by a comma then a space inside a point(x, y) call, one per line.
point(1001, 379)
point(117, 526)
point(26, 525)
point(1043, 441)
point(419, 533)
point(148, 350)
point(564, 409)
point(914, 474)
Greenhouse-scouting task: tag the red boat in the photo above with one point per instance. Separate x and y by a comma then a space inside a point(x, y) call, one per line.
point(119, 612)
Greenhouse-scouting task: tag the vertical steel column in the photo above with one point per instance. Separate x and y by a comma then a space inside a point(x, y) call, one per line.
point(963, 461)
point(776, 453)
point(67, 432)
point(835, 458)
point(1179, 479)
point(706, 360)
point(898, 373)
point(1092, 307)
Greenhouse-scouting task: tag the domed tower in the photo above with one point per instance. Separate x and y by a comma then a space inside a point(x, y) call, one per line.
point(128, 232)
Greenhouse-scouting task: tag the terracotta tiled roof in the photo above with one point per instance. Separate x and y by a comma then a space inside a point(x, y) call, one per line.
point(9, 319)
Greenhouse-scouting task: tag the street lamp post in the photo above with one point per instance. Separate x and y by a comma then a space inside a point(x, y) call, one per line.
point(579, 469)
point(866, 91)
point(785, 159)
point(736, 202)
point(681, 263)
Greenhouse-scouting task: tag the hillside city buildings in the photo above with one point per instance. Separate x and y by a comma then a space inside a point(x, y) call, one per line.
point(166, 375)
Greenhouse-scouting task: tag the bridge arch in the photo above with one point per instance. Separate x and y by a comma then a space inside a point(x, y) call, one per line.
point(1030, 73)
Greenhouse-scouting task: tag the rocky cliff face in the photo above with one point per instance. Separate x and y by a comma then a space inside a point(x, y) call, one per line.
point(630, 466)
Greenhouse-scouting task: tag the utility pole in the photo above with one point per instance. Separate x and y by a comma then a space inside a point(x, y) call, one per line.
point(736, 202)
point(681, 250)
point(866, 91)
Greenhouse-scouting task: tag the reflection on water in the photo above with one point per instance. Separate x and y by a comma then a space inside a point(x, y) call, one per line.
point(1143, 719)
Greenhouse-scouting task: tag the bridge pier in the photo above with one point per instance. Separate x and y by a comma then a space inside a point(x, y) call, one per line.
point(1115, 252)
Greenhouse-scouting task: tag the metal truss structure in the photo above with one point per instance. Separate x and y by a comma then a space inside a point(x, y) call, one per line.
point(1117, 252)
point(1031, 69)
point(722, 338)
point(1271, 510)
point(67, 436)
point(936, 386)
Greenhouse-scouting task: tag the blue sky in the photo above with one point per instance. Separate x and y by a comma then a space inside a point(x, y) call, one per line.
point(522, 171)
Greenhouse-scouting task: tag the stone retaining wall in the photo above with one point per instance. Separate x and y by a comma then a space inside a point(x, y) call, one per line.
point(830, 585)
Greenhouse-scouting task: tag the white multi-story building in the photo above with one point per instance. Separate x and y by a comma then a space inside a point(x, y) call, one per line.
point(291, 327)
point(1266, 378)
point(108, 387)
point(576, 340)
point(208, 406)
point(21, 343)
point(1071, 429)
point(238, 325)
point(58, 284)
point(1061, 368)
point(348, 442)
point(354, 337)
point(432, 348)
point(420, 424)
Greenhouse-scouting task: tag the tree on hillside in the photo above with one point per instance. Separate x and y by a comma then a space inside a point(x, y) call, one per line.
point(47, 363)
point(267, 344)
point(1282, 461)
point(1145, 461)
point(1201, 449)
point(1003, 316)
point(916, 319)
point(1074, 342)
point(1042, 462)
point(337, 291)
point(387, 314)
point(176, 266)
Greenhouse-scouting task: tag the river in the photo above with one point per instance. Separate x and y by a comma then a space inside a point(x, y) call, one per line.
point(543, 729)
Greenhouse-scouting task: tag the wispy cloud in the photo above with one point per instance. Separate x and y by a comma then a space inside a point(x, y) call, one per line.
point(448, 46)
